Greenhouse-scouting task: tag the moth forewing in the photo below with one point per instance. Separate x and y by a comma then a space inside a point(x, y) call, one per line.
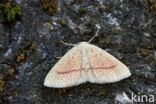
point(86, 62)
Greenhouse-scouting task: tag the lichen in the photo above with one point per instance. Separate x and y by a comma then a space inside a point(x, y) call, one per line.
point(32, 48)
point(20, 57)
point(15, 94)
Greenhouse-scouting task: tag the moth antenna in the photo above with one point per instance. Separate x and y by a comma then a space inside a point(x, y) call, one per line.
point(107, 50)
point(67, 43)
point(96, 34)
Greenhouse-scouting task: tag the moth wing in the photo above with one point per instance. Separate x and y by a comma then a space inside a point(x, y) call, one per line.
point(104, 68)
point(67, 71)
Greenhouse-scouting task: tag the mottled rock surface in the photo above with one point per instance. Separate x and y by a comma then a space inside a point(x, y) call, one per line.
point(128, 31)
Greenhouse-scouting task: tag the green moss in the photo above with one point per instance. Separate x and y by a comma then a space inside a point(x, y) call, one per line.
point(50, 7)
point(44, 7)
point(1, 82)
point(154, 6)
point(10, 72)
point(95, 4)
point(50, 10)
point(151, 46)
point(9, 12)
point(115, 31)
point(82, 11)
point(15, 94)
point(100, 37)
point(145, 52)
point(101, 10)
point(151, 1)
point(135, 1)
point(151, 5)
point(1, 85)
point(102, 93)
point(61, 22)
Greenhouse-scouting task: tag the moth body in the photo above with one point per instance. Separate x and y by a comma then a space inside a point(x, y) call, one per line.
point(86, 62)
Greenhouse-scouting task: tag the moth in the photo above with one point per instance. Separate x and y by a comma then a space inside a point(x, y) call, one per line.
point(86, 62)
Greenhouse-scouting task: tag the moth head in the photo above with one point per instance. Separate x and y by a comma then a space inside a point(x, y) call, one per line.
point(83, 43)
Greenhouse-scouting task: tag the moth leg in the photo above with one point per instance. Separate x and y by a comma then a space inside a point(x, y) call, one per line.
point(68, 44)
point(58, 57)
point(107, 50)
point(96, 34)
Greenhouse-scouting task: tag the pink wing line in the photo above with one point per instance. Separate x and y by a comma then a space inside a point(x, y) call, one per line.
point(111, 67)
point(70, 71)
point(97, 68)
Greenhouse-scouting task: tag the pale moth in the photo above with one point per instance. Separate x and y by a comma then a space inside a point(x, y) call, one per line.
point(86, 62)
